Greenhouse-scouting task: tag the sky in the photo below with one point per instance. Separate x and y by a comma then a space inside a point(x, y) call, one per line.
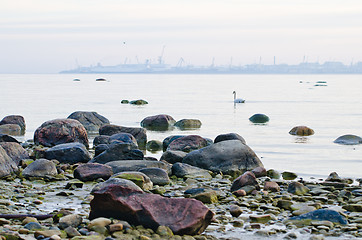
point(48, 36)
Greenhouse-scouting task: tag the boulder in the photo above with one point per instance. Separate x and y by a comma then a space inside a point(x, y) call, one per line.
point(71, 153)
point(91, 121)
point(181, 215)
point(123, 138)
point(138, 102)
point(289, 175)
point(138, 133)
point(259, 172)
point(10, 129)
point(322, 215)
point(272, 173)
point(100, 148)
point(173, 156)
point(140, 179)
point(271, 186)
point(15, 119)
point(301, 131)
point(92, 171)
point(230, 157)
point(158, 176)
point(182, 170)
point(162, 122)
point(348, 139)
point(116, 181)
point(247, 179)
point(60, 131)
point(229, 136)
point(7, 165)
point(154, 146)
point(40, 168)
point(185, 124)
point(187, 143)
point(259, 118)
point(136, 165)
point(15, 151)
point(100, 139)
point(169, 139)
point(333, 177)
point(7, 138)
point(118, 151)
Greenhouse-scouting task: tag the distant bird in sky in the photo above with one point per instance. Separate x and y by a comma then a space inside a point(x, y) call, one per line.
point(237, 100)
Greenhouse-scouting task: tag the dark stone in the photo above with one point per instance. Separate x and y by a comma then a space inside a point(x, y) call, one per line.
point(247, 179)
point(101, 139)
point(33, 226)
point(158, 176)
point(185, 124)
point(173, 156)
point(322, 215)
point(301, 131)
point(7, 165)
point(40, 168)
point(169, 139)
point(138, 102)
point(92, 171)
point(187, 143)
point(118, 151)
point(116, 181)
point(100, 148)
point(15, 151)
point(160, 122)
point(7, 138)
point(229, 136)
point(123, 138)
point(60, 131)
point(10, 129)
point(181, 170)
point(230, 157)
point(333, 177)
point(92, 121)
point(181, 215)
point(259, 118)
point(154, 146)
point(138, 133)
point(15, 119)
point(259, 172)
point(297, 188)
point(71, 153)
point(348, 139)
point(136, 165)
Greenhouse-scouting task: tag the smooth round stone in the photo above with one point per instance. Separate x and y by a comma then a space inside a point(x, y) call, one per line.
point(101, 221)
point(348, 139)
point(259, 118)
point(33, 226)
point(301, 131)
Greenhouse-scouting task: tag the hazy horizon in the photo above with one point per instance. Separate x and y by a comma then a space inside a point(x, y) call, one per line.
point(49, 36)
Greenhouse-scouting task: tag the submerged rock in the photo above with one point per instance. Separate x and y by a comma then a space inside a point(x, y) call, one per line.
point(15, 119)
point(185, 124)
point(181, 215)
point(154, 146)
point(138, 133)
point(10, 129)
point(348, 139)
point(160, 122)
point(92, 121)
point(230, 157)
point(187, 143)
point(259, 118)
point(138, 102)
point(301, 131)
point(60, 131)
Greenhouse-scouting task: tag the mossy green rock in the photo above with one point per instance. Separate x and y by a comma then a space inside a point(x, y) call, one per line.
point(207, 197)
point(259, 118)
point(124, 101)
point(289, 175)
point(140, 179)
point(138, 102)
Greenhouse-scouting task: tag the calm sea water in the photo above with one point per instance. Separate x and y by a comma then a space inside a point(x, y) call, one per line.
point(289, 100)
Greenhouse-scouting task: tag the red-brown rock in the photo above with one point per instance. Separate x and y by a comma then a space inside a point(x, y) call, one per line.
point(181, 215)
point(160, 122)
point(92, 171)
point(247, 179)
point(187, 143)
point(60, 131)
point(271, 186)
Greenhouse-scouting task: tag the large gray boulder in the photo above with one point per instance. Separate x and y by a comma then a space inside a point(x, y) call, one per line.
point(15, 151)
point(40, 168)
point(162, 122)
point(118, 151)
point(15, 119)
point(92, 121)
point(60, 131)
point(230, 157)
point(68, 153)
point(136, 165)
point(173, 156)
point(7, 165)
point(138, 133)
point(187, 143)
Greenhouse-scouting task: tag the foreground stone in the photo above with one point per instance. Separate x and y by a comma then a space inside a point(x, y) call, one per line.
point(230, 157)
point(40, 168)
point(92, 121)
point(92, 171)
point(15, 151)
point(60, 131)
point(7, 165)
point(181, 215)
point(139, 178)
point(68, 153)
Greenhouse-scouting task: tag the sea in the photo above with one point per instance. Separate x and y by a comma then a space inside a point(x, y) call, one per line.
point(329, 104)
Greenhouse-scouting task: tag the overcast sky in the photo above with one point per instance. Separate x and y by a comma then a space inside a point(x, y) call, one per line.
point(47, 36)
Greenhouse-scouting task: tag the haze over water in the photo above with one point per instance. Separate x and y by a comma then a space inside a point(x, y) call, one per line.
point(289, 100)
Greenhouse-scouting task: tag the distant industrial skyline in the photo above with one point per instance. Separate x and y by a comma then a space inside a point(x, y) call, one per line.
point(42, 36)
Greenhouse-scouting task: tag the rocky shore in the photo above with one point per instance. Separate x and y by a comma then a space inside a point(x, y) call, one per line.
point(59, 186)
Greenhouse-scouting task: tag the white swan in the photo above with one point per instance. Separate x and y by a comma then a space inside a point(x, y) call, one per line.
point(238, 100)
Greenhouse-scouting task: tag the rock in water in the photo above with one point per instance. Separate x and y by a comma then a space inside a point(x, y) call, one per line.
point(138, 133)
point(15, 119)
point(301, 131)
point(60, 131)
point(71, 153)
point(185, 124)
point(160, 122)
point(259, 118)
point(7, 165)
point(230, 157)
point(229, 136)
point(187, 143)
point(181, 215)
point(348, 139)
point(92, 121)
point(118, 151)
point(10, 129)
